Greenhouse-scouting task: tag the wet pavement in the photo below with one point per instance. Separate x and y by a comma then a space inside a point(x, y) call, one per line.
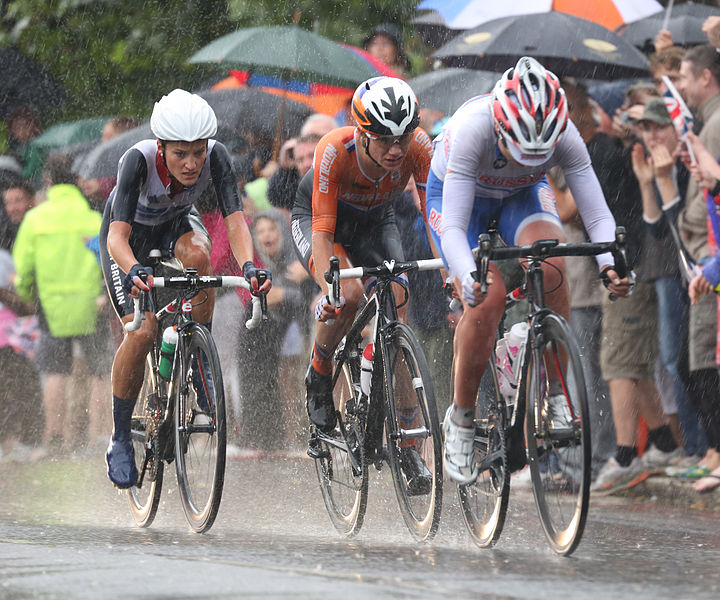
point(66, 533)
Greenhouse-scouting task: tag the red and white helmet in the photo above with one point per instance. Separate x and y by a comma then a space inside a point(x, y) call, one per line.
point(530, 111)
point(385, 106)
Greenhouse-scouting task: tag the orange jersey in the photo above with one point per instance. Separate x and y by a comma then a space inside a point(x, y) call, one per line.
point(339, 178)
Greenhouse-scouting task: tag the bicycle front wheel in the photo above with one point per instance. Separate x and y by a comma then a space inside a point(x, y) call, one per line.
point(484, 503)
point(144, 425)
point(559, 458)
point(200, 428)
point(342, 468)
point(413, 435)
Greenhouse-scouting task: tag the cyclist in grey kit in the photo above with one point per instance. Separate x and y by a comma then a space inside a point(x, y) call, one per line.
point(152, 207)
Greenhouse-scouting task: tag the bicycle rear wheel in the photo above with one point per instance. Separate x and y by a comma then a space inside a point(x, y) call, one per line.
point(342, 468)
point(484, 503)
point(559, 461)
point(148, 413)
point(200, 429)
point(414, 435)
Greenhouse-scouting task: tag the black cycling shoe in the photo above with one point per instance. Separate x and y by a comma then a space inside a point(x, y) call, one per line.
point(120, 459)
point(320, 407)
point(315, 449)
point(419, 478)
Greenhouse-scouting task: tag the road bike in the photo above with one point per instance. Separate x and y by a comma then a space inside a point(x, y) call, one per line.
point(397, 422)
point(513, 430)
point(181, 417)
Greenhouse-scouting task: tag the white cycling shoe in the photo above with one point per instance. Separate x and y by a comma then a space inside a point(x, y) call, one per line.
point(459, 451)
point(558, 413)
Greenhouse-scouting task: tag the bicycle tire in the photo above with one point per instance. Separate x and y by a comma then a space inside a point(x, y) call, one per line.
point(559, 462)
point(144, 424)
point(484, 503)
point(407, 382)
point(200, 428)
point(344, 486)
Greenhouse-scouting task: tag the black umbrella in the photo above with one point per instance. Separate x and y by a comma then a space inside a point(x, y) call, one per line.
point(433, 30)
point(685, 25)
point(249, 110)
point(447, 89)
point(564, 44)
point(240, 112)
point(25, 82)
point(102, 160)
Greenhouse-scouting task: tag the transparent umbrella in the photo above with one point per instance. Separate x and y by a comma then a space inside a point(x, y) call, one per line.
point(447, 89)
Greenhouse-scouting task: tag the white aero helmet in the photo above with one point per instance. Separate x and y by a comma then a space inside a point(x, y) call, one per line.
point(530, 111)
point(183, 117)
point(385, 106)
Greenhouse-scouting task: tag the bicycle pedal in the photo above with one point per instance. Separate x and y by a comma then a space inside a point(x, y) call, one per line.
point(315, 449)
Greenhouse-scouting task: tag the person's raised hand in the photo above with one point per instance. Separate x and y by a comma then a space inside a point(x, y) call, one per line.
point(711, 28)
point(662, 160)
point(642, 166)
point(663, 40)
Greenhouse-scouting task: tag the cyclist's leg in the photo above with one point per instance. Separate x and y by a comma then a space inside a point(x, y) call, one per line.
point(527, 217)
point(473, 341)
point(128, 365)
point(318, 380)
point(192, 247)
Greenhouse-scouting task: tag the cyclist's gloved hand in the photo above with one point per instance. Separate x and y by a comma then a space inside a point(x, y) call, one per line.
point(135, 271)
point(618, 287)
point(250, 272)
point(325, 311)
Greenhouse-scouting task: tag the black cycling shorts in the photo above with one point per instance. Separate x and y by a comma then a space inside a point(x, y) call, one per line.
point(369, 238)
point(143, 239)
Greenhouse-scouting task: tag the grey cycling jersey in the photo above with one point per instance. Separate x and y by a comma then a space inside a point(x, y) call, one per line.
point(466, 158)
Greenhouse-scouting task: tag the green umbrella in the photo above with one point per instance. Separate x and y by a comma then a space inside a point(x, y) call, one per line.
point(70, 133)
point(288, 52)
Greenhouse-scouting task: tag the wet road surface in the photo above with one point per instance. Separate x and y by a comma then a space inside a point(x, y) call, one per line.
point(66, 533)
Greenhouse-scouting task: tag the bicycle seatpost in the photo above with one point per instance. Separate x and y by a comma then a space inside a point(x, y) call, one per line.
point(262, 278)
point(332, 277)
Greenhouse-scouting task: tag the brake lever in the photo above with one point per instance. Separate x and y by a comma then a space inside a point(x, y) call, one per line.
point(484, 247)
point(332, 277)
point(261, 279)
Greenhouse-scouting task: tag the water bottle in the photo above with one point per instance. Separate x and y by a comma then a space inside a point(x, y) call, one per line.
point(366, 370)
point(504, 373)
point(167, 352)
point(508, 352)
point(516, 339)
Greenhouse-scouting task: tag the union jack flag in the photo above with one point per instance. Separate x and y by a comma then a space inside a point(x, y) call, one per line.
point(679, 113)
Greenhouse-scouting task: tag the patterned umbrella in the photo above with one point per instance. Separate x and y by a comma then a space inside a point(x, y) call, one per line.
point(449, 17)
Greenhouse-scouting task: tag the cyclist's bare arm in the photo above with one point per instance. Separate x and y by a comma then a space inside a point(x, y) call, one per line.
point(241, 243)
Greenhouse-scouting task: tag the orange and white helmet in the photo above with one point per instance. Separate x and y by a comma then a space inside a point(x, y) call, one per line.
point(385, 106)
point(530, 111)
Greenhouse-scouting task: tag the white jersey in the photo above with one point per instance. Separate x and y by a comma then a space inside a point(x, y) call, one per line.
point(467, 159)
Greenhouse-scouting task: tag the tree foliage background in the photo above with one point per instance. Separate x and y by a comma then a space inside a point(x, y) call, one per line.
point(119, 56)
